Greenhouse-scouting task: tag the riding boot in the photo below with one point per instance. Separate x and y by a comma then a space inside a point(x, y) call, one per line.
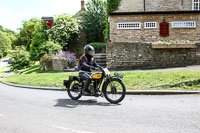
point(86, 90)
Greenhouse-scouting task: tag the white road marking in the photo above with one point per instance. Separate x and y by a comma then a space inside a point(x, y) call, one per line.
point(71, 130)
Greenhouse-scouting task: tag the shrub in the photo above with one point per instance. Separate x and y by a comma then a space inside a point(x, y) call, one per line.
point(40, 44)
point(47, 47)
point(65, 29)
point(99, 47)
point(20, 59)
point(77, 52)
point(71, 58)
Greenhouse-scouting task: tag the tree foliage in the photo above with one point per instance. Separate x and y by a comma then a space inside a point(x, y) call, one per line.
point(26, 33)
point(111, 5)
point(5, 44)
point(12, 35)
point(64, 30)
point(20, 58)
point(94, 20)
point(40, 44)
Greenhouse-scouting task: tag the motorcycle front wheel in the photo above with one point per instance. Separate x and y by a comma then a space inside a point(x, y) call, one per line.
point(114, 91)
point(74, 91)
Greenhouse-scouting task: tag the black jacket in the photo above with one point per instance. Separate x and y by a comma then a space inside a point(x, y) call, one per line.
point(86, 63)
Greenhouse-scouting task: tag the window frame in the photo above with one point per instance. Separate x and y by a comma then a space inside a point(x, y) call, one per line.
point(182, 23)
point(145, 26)
point(193, 5)
point(129, 28)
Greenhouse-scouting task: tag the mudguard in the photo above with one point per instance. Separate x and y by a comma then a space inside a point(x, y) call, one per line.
point(107, 81)
point(71, 78)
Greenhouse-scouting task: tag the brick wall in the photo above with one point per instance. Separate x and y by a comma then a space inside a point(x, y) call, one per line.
point(142, 56)
point(154, 5)
point(151, 35)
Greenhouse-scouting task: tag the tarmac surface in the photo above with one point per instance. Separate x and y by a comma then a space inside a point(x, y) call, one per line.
point(38, 111)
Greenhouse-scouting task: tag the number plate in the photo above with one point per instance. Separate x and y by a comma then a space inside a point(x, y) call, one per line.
point(107, 72)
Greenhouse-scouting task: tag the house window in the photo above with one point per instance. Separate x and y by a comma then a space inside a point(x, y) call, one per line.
point(184, 24)
point(129, 25)
point(195, 4)
point(150, 25)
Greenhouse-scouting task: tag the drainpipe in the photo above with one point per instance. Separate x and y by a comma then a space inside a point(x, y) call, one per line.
point(144, 5)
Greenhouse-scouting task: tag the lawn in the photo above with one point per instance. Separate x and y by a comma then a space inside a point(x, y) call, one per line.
point(150, 80)
point(36, 69)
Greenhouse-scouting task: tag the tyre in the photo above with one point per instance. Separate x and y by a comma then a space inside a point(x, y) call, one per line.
point(74, 90)
point(114, 91)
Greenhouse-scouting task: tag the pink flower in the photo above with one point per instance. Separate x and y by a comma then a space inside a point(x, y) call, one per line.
point(174, 38)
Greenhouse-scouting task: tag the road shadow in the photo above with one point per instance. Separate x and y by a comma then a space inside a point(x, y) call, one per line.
point(69, 103)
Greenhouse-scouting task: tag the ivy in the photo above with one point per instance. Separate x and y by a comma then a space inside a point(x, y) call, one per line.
point(112, 5)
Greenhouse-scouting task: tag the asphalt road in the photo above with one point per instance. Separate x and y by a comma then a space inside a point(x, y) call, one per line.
point(39, 111)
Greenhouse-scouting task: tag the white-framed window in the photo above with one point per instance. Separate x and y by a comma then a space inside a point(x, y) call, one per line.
point(150, 25)
point(195, 4)
point(183, 24)
point(129, 25)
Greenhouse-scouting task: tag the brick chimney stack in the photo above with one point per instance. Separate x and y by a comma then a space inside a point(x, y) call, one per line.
point(82, 5)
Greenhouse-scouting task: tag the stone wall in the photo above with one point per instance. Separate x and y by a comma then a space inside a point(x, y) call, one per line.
point(151, 35)
point(154, 5)
point(143, 56)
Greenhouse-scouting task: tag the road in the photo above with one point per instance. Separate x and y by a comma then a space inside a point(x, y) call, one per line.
point(39, 111)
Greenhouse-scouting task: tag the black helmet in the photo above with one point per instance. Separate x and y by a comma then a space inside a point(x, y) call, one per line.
point(89, 48)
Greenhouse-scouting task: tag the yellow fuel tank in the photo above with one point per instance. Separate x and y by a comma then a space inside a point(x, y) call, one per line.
point(96, 76)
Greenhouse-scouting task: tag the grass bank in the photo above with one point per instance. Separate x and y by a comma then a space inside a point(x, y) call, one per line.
point(133, 80)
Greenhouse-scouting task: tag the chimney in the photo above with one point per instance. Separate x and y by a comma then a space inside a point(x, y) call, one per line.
point(82, 5)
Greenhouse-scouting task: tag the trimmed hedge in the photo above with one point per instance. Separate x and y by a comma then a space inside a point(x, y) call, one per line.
point(98, 46)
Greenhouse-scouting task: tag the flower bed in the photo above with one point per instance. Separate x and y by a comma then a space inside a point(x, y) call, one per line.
point(160, 46)
point(174, 44)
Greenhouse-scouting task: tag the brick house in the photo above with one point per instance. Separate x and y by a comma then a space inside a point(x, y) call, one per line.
point(137, 24)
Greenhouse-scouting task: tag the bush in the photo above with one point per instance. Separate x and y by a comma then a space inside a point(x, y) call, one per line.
point(47, 47)
point(71, 58)
point(20, 59)
point(40, 44)
point(77, 52)
point(65, 29)
point(99, 47)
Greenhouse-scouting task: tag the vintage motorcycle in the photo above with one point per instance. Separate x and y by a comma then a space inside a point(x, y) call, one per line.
point(102, 84)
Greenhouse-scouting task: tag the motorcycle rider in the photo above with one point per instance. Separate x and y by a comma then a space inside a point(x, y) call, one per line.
point(85, 66)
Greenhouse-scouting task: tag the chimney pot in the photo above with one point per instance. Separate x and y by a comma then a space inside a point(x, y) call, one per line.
point(82, 5)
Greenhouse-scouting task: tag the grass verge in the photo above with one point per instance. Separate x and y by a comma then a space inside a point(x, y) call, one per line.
point(133, 80)
point(36, 69)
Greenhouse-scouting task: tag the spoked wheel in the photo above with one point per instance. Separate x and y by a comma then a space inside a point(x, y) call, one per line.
point(74, 90)
point(115, 91)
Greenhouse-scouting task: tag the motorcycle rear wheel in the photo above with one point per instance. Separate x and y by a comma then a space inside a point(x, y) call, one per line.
point(73, 90)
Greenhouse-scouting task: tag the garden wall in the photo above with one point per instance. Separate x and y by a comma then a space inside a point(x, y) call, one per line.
point(124, 55)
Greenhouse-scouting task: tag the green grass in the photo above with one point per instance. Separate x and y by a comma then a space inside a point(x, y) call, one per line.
point(2, 70)
point(36, 69)
point(132, 80)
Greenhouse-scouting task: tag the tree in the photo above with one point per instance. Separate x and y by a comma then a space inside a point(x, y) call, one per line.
point(26, 33)
point(65, 29)
point(12, 35)
point(94, 20)
point(40, 44)
point(5, 44)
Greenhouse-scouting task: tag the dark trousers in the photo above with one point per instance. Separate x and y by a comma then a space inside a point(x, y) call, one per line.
point(87, 77)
